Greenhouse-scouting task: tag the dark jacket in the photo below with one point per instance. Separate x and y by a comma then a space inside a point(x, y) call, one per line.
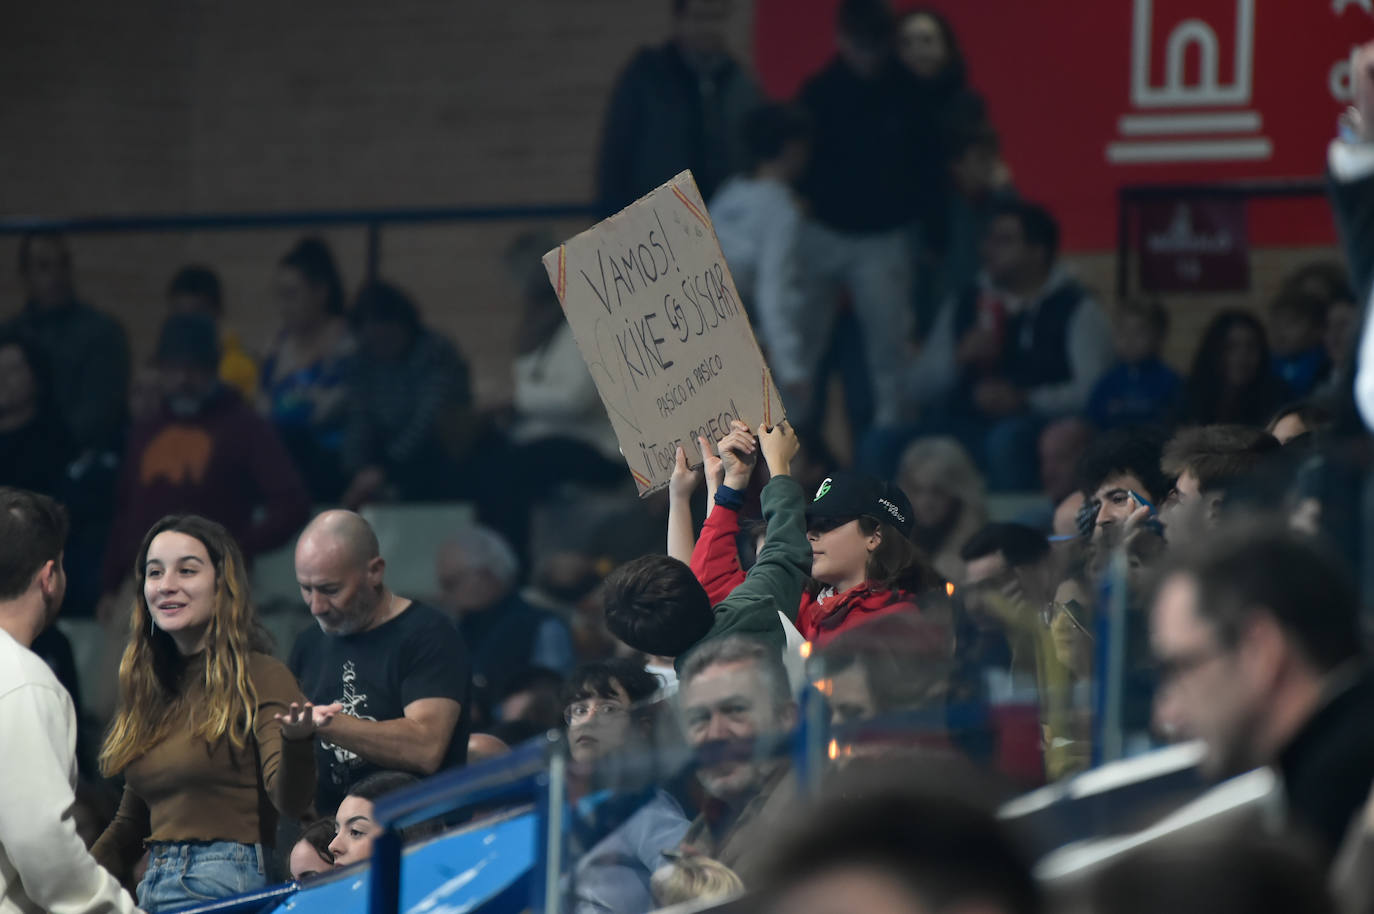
point(1134, 395)
point(864, 175)
point(89, 355)
point(666, 115)
point(1328, 766)
point(225, 463)
point(505, 640)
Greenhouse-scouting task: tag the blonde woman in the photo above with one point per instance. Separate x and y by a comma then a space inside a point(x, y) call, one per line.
point(948, 500)
point(212, 735)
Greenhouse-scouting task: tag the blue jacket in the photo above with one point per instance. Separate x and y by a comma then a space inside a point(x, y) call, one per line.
point(1134, 395)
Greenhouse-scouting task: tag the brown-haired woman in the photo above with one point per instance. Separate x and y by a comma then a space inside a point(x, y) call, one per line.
point(212, 734)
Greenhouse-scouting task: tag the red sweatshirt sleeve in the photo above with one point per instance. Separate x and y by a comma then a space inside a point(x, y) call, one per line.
point(715, 559)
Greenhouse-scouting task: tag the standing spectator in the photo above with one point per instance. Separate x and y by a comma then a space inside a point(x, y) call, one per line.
point(206, 452)
point(479, 580)
point(676, 106)
point(195, 289)
point(35, 448)
point(1259, 651)
point(735, 689)
point(305, 371)
point(1231, 382)
point(948, 500)
point(410, 417)
point(758, 219)
point(1297, 326)
point(863, 194)
point(87, 349)
point(44, 866)
point(212, 736)
point(1141, 389)
point(946, 110)
point(389, 676)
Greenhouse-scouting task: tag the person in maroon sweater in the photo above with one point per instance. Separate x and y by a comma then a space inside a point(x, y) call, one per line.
point(205, 452)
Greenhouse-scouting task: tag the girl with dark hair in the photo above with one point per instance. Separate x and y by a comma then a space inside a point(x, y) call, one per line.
point(305, 371)
point(1231, 383)
point(212, 735)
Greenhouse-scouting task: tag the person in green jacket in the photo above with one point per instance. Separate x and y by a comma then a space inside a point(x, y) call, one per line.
point(656, 605)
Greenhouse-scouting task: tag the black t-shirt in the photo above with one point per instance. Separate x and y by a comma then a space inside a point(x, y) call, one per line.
point(374, 675)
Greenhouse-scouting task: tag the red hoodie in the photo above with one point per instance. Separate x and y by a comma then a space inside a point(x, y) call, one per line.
point(715, 562)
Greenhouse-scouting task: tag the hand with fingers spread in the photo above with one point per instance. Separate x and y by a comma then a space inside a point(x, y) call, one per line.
point(301, 721)
point(779, 445)
point(738, 454)
point(684, 480)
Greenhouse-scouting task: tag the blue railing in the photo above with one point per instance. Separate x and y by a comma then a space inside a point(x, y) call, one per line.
point(372, 220)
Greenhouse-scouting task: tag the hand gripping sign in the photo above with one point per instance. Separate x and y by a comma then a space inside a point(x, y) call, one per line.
point(659, 322)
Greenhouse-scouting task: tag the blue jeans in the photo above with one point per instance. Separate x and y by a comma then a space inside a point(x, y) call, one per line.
point(180, 875)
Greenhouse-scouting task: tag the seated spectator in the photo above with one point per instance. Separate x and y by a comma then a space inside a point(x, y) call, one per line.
point(735, 689)
point(758, 217)
point(86, 349)
point(1301, 418)
point(674, 107)
point(1297, 329)
point(35, 448)
point(894, 664)
point(207, 452)
point(655, 604)
point(479, 579)
point(310, 855)
point(1258, 643)
point(607, 709)
point(1205, 462)
point(1231, 382)
point(1235, 872)
point(895, 850)
point(357, 827)
point(305, 370)
point(1121, 473)
point(979, 183)
point(1141, 389)
point(1061, 447)
point(410, 418)
point(44, 865)
point(694, 878)
point(1008, 356)
point(389, 676)
point(948, 500)
point(560, 422)
point(196, 290)
point(530, 696)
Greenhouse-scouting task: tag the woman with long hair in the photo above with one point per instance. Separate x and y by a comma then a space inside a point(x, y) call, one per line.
point(948, 500)
point(306, 369)
point(1231, 383)
point(212, 735)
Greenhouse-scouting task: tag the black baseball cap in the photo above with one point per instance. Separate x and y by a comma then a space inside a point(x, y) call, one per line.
point(850, 495)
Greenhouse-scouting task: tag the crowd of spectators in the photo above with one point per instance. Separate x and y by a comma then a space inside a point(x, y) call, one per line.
point(1191, 541)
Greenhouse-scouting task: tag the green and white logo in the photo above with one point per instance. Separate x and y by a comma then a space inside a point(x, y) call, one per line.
point(823, 490)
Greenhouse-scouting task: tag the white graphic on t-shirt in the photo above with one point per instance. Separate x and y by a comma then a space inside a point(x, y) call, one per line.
point(354, 703)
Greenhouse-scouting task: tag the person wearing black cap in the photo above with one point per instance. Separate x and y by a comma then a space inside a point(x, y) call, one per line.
point(205, 452)
point(863, 564)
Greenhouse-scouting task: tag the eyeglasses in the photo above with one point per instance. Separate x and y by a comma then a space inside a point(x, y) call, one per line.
point(1173, 669)
point(582, 711)
point(826, 524)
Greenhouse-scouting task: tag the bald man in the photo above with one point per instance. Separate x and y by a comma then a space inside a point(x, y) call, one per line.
point(389, 677)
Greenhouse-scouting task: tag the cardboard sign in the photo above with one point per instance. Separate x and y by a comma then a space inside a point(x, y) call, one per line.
point(656, 315)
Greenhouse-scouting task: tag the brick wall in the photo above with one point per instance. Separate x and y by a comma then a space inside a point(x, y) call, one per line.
point(194, 105)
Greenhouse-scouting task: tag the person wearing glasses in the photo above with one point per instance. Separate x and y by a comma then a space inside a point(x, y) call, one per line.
point(609, 708)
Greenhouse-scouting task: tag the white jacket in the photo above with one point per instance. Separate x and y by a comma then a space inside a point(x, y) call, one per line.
point(44, 866)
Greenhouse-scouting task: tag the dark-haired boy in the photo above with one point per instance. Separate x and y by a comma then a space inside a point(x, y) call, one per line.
point(656, 605)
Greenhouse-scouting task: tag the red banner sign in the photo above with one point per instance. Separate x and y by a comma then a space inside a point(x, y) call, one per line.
point(1090, 96)
point(1189, 244)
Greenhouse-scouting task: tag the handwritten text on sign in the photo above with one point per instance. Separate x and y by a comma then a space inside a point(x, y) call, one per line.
point(656, 316)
